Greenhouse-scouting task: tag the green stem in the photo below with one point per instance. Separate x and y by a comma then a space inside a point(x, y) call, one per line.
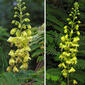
point(68, 79)
point(20, 15)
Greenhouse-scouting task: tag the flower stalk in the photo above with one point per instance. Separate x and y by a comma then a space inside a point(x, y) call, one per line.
point(20, 39)
point(69, 44)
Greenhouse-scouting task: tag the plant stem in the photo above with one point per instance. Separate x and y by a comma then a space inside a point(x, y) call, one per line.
point(68, 79)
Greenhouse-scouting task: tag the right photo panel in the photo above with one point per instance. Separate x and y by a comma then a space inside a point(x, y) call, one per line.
point(65, 42)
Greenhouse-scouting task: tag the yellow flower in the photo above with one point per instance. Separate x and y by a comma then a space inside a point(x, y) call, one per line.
point(62, 38)
point(15, 16)
point(18, 33)
point(29, 32)
point(75, 39)
point(65, 31)
point(11, 61)
point(29, 26)
point(79, 22)
point(24, 34)
point(19, 26)
point(75, 82)
point(78, 33)
point(13, 21)
point(24, 66)
point(61, 56)
point(13, 31)
point(15, 69)
point(27, 20)
point(71, 70)
point(66, 36)
point(62, 65)
point(10, 39)
point(68, 19)
point(71, 31)
point(18, 60)
point(8, 68)
point(11, 53)
point(27, 48)
point(64, 72)
point(27, 14)
point(68, 62)
point(77, 26)
point(65, 27)
point(26, 58)
point(24, 26)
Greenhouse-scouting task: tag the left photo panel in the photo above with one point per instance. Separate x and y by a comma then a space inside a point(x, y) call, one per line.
point(22, 42)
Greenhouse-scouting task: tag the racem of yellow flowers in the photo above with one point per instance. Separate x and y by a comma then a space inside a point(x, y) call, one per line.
point(69, 44)
point(20, 38)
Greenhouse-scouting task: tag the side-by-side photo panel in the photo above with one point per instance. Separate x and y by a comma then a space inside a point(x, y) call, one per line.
point(65, 42)
point(21, 42)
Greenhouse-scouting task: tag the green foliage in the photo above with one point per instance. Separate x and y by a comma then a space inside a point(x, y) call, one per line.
point(37, 44)
point(3, 33)
point(8, 78)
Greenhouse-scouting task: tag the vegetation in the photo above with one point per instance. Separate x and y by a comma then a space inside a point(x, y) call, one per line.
point(34, 72)
point(57, 13)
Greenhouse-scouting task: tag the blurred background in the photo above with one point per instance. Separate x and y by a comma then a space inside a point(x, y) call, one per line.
point(34, 7)
point(57, 12)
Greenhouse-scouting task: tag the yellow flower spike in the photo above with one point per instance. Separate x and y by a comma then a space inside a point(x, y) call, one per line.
point(11, 61)
point(71, 70)
point(22, 37)
point(12, 53)
point(75, 82)
point(8, 69)
point(29, 26)
point(69, 44)
point(12, 32)
point(15, 69)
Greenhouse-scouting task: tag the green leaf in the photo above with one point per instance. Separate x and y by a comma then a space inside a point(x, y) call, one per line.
point(8, 78)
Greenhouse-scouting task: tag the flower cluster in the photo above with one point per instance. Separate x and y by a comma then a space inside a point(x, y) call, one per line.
point(20, 38)
point(69, 43)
